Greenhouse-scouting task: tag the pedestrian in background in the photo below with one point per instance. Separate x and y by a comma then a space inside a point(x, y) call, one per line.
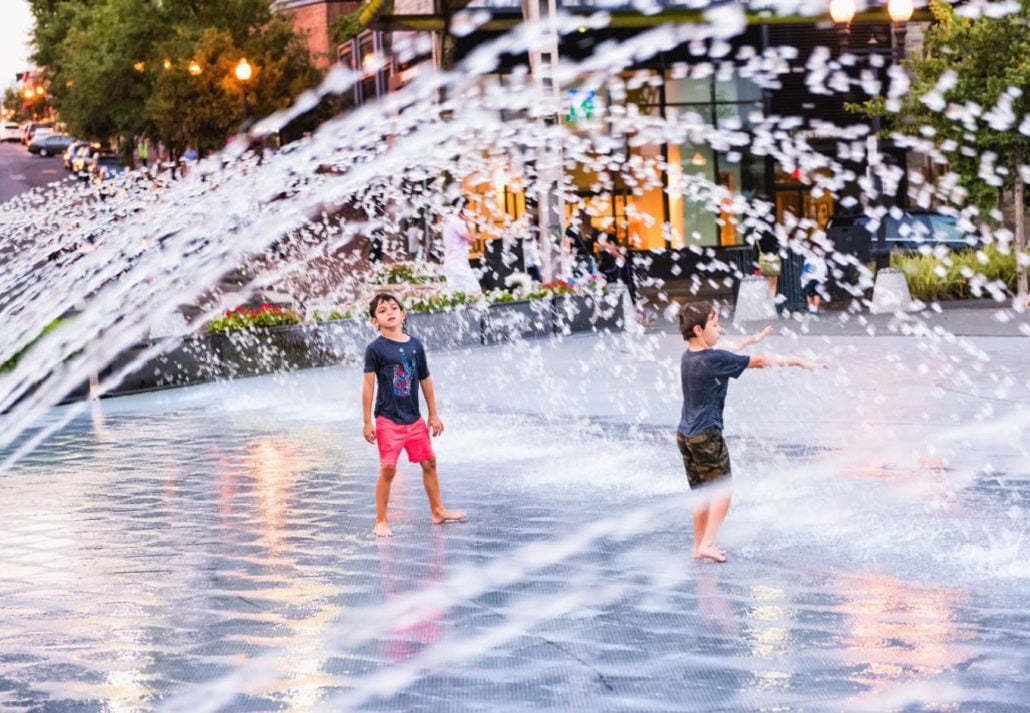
point(813, 278)
point(456, 241)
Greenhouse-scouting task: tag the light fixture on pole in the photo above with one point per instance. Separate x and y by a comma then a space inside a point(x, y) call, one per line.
point(244, 72)
point(900, 12)
point(842, 12)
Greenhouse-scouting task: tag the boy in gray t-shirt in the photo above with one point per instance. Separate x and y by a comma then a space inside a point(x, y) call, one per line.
point(705, 373)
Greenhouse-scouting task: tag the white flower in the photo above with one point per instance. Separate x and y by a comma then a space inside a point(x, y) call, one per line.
point(519, 282)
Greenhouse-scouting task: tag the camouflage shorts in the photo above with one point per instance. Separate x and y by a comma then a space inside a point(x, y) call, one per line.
point(705, 457)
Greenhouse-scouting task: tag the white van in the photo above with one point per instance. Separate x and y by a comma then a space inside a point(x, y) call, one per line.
point(10, 132)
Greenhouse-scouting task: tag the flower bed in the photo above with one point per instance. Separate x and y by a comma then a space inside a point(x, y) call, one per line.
point(244, 318)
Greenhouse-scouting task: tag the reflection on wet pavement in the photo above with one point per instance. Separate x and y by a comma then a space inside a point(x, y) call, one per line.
point(210, 549)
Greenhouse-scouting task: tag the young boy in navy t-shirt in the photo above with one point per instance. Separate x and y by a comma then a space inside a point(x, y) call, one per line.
point(396, 363)
point(705, 373)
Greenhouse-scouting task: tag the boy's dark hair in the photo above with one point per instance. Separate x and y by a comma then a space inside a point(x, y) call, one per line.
point(694, 314)
point(379, 299)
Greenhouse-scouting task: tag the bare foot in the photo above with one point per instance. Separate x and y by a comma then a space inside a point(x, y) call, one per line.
point(710, 552)
point(382, 529)
point(442, 516)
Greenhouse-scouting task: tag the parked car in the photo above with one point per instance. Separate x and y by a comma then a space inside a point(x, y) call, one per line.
point(71, 151)
point(83, 160)
point(914, 231)
point(50, 144)
point(105, 166)
point(10, 132)
point(29, 130)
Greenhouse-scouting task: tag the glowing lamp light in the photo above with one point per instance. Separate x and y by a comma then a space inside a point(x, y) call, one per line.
point(28, 93)
point(167, 63)
point(697, 159)
point(244, 71)
point(40, 90)
point(900, 10)
point(842, 11)
point(139, 66)
point(195, 68)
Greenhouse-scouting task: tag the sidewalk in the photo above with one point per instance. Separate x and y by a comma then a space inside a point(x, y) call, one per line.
point(966, 318)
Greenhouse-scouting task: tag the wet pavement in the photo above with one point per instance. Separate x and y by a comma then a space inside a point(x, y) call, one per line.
point(210, 548)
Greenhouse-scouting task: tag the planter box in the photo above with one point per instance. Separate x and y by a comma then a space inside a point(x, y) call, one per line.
point(588, 313)
point(191, 361)
point(450, 329)
point(340, 341)
point(264, 351)
point(507, 321)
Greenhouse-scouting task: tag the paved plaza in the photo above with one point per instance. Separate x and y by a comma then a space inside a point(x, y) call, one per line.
point(210, 548)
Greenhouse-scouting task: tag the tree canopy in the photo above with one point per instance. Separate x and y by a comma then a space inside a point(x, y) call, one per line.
point(164, 68)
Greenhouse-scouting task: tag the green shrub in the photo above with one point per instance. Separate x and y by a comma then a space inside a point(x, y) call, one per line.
point(13, 361)
point(411, 273)
point(957, 275)
point(437, 302)
point(333, 315)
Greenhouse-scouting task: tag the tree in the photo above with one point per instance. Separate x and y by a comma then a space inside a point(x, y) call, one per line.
point(122, 67)
point(971, 87)
point(100, 79)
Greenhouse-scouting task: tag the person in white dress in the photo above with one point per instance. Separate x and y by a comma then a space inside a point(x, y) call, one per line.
point(456, 241)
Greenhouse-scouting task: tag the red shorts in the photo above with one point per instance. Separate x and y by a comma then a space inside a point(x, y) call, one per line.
point(392, 438)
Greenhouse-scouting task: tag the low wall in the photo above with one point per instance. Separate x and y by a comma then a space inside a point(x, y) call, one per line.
point(209, 357)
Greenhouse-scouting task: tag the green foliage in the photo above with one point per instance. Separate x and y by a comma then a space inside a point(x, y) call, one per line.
point(959, 275)
point(988, 56)
point(438, 302)
point(14, 103)
point(332, 315)
point(347, 27)
point(13, 361)
point(244, 318)
point(412, 273)
point(121, 67)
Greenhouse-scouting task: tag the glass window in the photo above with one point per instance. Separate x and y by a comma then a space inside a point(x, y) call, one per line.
point(689, 91)
point(737, 89)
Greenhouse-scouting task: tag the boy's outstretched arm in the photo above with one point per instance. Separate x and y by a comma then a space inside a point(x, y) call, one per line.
point(746, 341)
point(367, 390)
point(435, 424)
point(762, 361)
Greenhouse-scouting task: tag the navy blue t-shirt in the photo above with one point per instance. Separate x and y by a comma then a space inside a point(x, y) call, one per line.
point(399, 367)
point(705, 375)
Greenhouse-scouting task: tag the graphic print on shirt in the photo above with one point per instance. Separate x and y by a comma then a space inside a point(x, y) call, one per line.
point(403, 374)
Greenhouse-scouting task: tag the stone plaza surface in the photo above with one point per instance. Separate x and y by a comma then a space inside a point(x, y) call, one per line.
point(210, 548)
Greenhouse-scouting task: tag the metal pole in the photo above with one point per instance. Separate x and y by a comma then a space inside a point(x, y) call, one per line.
point(245, 118)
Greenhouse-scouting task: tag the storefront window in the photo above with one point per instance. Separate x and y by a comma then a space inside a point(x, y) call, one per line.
point(732, 104)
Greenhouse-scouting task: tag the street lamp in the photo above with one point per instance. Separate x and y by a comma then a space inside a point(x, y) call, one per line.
point(842, 12)
point(900, 12)
point(243, 73)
